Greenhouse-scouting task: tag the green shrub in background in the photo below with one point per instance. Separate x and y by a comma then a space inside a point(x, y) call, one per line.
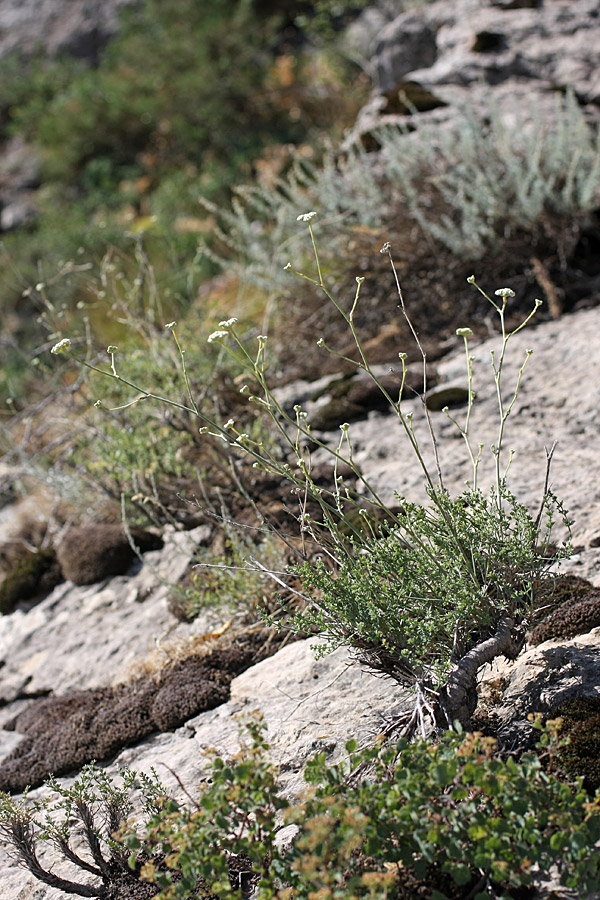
point(444, 820)
point(181, 103)
point(164, 86)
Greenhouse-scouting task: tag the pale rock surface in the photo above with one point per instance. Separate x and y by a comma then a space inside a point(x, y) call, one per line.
point(313, 705)
point(540, 50)
point(101, 629)
point(90, 636)
point(540, 680)
point(559, 400)
point(308, 705)
point(79, 28)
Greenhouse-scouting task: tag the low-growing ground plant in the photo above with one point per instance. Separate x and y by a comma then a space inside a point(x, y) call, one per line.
point(449, 821)
point(80, 822)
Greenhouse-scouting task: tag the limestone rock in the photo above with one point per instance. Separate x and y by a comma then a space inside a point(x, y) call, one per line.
point(76, 27)
point(354, 398)
point(482, 55)
point(447, 395)
point(543, 678)
point(99, 631)
point(406, 44)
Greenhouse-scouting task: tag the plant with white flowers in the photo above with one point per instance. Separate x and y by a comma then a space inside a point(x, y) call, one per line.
point(431, 593)
point(427, 594)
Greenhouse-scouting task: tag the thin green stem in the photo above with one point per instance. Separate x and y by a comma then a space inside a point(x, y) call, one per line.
point(184, 369)
point(314, 243)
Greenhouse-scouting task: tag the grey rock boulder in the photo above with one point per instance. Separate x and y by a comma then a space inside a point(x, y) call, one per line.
point(545, 677)
point(79, 28)
point(407, 43)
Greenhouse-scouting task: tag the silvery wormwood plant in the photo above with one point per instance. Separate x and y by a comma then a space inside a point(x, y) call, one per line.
point(427, 594)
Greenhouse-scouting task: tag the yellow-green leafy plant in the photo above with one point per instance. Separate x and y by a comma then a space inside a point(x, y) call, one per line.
point(448, 817)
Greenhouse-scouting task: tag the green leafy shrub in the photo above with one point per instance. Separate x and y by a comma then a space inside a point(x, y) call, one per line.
point(189, 101)
point(417, 598)
point(422, 816)
point(450, 585)
point(452, 809)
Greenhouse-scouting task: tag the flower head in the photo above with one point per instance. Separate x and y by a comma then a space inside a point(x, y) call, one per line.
point(216, 336)
point(62, 347)
point(170, 324)
point(287, 267)
point(306, 217)
point(463, 332)
point(111, 348)
point(505, 292)
point(471, 279)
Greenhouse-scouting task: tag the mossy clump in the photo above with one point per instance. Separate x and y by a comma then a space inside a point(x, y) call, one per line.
point(61, 734)
point(549, 594)
point(571, 618)
point(92, 553)
point(31, 579)
point(580, 755)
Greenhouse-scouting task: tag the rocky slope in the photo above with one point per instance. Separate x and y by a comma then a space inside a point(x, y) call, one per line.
point(88, 638)
point(308, 706)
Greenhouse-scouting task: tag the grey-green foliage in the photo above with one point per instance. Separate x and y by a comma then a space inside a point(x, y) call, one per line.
point(255, 233)
point(505, 172)
point(459, 181)
point(414, 601)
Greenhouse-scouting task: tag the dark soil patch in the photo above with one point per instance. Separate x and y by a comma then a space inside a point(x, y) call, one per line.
point(557, 262)
point(61, 734)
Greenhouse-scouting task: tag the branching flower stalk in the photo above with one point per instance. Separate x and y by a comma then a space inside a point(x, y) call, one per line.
point(504, 409)
point(329, 501)
point(396, 405)
point(364, 364)
point(428, 593)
